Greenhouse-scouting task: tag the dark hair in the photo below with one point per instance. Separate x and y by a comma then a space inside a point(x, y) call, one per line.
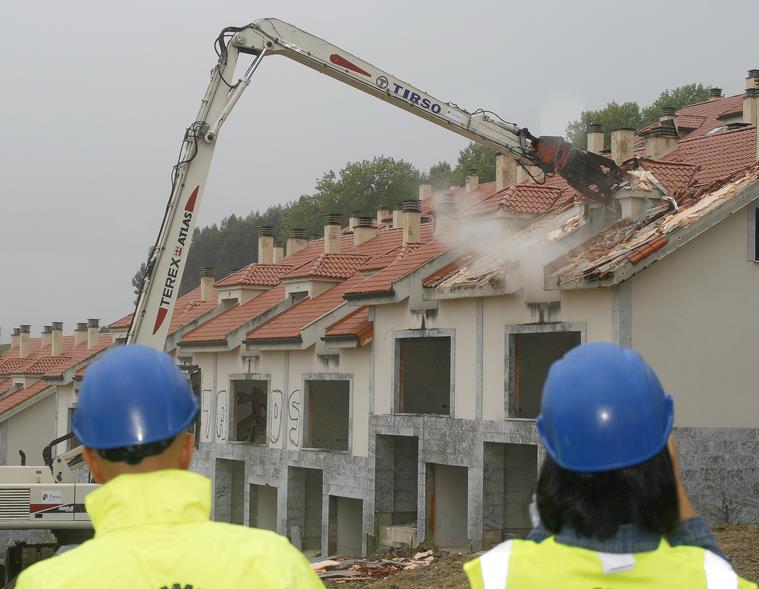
point(596, 504)
point(134, 454)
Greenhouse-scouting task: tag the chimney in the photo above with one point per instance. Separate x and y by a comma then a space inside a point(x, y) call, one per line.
point(265, 244)
point(661, 140)
point(505, 171)
point(668, 113)
point(80, 334)
point(332, 234)
point(23, 342)
point(56, 347)
point(46, 336)
point(15, 336)
point(93, 333)
point(382, 213)
point(364, 231)
point(472, 181)
point(397, 219)
point(353, 219)
point(445, 209)
point(622, 144)
point(715, 94)
point(595, 138)
point(207, 290)
point(411, 221)
point(296, 241)
point(752, 80)
point(523, 176)
point(425, 191)
point(279, 252)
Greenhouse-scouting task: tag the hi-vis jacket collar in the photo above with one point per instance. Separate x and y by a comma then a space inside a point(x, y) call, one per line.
point(164, 496)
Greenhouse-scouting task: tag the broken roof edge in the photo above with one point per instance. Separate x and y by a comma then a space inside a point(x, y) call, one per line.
point(670, 243)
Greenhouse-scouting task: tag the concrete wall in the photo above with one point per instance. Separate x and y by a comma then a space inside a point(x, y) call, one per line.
point(694, 318)
point(447, 503)
point(30, 430)
point(263, 507)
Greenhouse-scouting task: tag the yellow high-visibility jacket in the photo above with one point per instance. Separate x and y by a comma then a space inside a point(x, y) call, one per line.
point(152, 531)
point(523, 564)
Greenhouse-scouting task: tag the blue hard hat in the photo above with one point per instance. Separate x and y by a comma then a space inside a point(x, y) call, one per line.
point(603, 408)
point(133, 395)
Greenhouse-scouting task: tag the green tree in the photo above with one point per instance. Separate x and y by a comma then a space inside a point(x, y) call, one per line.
point(630, 114)
point(140, 275)
point(477, 158)
point(359, 186)
point(439, 176)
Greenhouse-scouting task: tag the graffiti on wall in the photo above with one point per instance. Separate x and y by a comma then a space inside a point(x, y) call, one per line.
point(205, 419)
point(222, 425)
point(294, 405)
point(276, 413)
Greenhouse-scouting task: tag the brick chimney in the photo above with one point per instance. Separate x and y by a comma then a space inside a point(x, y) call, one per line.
point(505, 171)
point(715, 94)
point(752, 80)
point(472, 181)
point(425, 191)
point(279, 252)
point(93, 333)
point(80, 333)
point(595, 138)
point(364, 231)
point(56, 348)
point(332, 234)
point(23, 342)
point(661, 140)
point(15, 336)
point(622, 144)
point(207, 290)
point(382, 213)
point(46, 336)
point(265, 244)
point(411, 221)
point(296, 241)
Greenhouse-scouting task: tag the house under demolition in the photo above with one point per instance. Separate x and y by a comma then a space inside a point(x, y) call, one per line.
point(379, 386)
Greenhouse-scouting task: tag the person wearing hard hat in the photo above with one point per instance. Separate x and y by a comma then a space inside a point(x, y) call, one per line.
point(613, 509)
point(151, 516)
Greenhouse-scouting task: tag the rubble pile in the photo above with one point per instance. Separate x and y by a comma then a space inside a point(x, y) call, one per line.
point(339, 570)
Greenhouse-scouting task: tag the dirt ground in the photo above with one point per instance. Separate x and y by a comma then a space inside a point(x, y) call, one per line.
point(739, 542)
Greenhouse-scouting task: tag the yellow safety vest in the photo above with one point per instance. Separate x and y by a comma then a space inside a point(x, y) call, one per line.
point(523, 564)
point(152, 531)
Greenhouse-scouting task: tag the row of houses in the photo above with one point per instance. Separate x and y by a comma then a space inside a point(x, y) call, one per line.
point(379, 385)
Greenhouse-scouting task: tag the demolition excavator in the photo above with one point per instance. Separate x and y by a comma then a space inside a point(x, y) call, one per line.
point(49, 497)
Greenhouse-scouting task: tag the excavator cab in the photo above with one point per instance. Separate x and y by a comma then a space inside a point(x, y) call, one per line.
point(594, 176)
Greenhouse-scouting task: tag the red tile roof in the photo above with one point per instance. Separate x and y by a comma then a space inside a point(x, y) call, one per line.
point(41, 363)
point(529, 198)
point(5, 384)
point(409, 259)
point(217, 329)
point(339, 266)
point(700, 118)
point(676, 177)
point(122, 323)
point(15, 399)
point(256, 275)
point(288, 324)
point(355, 325)
point(435, 278)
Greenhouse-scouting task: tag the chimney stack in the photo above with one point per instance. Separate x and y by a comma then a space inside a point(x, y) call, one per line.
point(23, 342)
point(15, 336)
point(660, 141)
point(364, 231)
point(622, 144)
point(425, 191)
point(332, 234)
point(397, 219)
point(472, 181)
point(56, 348)
point(445, 208)
point(93, 333)
point(715, 94)
point(752, 80)
point(80, 333)
point(279, 252)
point(505, 171)
point(595, 138)
point(383, 213)
point(296, 241)
point(265, 244)
point(668, 113)
point(353, 219)
point(411, 221)
point(207, 290)
point(46, 336)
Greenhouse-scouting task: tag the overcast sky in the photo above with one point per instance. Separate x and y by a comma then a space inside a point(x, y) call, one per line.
point(95, 101)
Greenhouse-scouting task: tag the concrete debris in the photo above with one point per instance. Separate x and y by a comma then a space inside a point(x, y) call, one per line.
point(349, 570)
